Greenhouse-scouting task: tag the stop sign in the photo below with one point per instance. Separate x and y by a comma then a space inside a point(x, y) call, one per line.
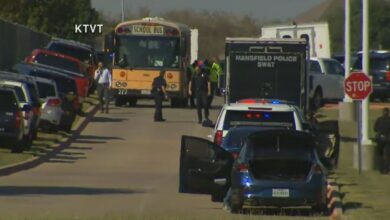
point(358, 86)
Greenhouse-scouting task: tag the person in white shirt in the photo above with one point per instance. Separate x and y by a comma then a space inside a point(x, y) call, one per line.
point(104, 80)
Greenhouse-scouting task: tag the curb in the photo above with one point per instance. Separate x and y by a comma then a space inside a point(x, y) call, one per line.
point(335, 204)
point(57, 148)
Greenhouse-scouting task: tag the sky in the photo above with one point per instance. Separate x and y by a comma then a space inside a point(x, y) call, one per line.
point(262, 9)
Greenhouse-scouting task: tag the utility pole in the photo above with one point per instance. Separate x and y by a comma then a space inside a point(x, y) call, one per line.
point(347, 44)
point(366, 70)
point(123, 11)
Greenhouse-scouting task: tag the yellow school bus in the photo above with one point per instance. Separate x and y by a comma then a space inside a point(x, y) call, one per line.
point(141, 49)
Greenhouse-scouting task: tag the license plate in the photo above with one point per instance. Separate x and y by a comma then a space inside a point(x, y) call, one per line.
point(122, 92)
point(281, 193)
point(145, 92)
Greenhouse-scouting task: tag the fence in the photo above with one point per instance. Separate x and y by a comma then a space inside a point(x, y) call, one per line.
point(17, 42)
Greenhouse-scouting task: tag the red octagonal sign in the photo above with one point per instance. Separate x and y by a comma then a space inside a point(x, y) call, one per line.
point(358, 86)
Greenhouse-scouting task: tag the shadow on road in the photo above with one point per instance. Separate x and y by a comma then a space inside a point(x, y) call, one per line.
point(106, 119)
point(93, 137)
point(61, 190)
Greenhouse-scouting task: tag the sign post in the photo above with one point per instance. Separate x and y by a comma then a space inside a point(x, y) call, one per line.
point(358, 86)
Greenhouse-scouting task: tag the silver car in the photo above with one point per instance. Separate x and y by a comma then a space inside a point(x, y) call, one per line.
point(51, 111)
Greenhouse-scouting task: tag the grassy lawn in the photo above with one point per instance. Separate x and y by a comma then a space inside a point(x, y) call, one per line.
point(365, 196)
point(44, 143)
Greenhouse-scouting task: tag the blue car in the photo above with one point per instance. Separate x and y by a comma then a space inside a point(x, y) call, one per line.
point(277, 168)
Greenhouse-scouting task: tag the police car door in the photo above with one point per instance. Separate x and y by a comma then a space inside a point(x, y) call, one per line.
point(201, 164)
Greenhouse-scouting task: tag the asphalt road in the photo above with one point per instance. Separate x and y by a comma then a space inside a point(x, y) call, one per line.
point(123, 164)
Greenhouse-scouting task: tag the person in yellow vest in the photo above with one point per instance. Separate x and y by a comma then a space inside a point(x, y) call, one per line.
point(215, 72)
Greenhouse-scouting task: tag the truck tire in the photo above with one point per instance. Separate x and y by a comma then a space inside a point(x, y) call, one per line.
point(132, 102)
point(317, 100)
point(120, 101)
point(179, 103)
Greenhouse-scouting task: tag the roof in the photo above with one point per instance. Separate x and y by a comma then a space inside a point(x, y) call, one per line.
point(258, 106)
point(250, 40)
point(71, 43)
point(52, 53)
point(180, 26)
point(42, 68)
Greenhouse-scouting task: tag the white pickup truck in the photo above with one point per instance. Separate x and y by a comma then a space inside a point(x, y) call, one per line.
point(326, 81)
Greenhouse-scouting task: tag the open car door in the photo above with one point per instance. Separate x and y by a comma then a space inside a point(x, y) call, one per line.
point(204, 166)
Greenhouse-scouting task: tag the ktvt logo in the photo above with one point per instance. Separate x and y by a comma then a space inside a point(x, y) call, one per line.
point(88, 28)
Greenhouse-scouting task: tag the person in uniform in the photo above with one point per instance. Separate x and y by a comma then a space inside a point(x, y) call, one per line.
point(382, 129)
point(191, 71)
point(200, 84)
point(159, 92)
point(104, 80)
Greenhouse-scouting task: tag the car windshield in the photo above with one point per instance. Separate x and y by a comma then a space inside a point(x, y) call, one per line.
point(81, 54)
point(236, 138)
point(375, 64)
point(147, 52)
point(235, 118)
point(46, 90)
point(333, 67)
point(57, 62)
point(8, 100)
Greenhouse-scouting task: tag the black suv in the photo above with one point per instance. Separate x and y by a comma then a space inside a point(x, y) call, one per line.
point(380, 72)
point(11, 120)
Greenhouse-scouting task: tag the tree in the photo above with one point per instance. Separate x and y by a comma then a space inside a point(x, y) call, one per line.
point(55, 17)
point(379, 25)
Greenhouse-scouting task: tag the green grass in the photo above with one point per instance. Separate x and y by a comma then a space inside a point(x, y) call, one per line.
point(365, 196)
point(44, 143)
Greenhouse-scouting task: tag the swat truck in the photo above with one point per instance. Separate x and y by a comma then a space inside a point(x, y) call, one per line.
point(267, 68)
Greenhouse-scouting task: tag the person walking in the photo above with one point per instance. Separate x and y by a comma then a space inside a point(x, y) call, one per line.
point(215, 72)
point(382, 129)
point(159, 92)
point(200, 84)
point(104, 81)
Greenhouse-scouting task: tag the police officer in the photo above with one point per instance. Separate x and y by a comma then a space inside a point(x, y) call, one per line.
point(382, 129)
point(104, 80)
point(159, 92)
point(191, 71)
point(200, 83)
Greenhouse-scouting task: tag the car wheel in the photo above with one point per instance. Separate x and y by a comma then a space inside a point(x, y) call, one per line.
point(317, 100)
point(119, 101)
point(236, 202)
point(133, 102)
point(17, 147)
point(27, 142)
point(217, 196)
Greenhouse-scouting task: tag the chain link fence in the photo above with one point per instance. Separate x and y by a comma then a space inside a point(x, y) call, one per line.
point(17, 42)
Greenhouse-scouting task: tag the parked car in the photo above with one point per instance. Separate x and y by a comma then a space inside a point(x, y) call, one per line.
point(278, 168)
point(51, 104)
point(326, 81)
point(66, 86)
point(258, 112)
point(380, 72)
point(83, 52)
point(65, 64)
point(11, 120)
point(33, 91)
